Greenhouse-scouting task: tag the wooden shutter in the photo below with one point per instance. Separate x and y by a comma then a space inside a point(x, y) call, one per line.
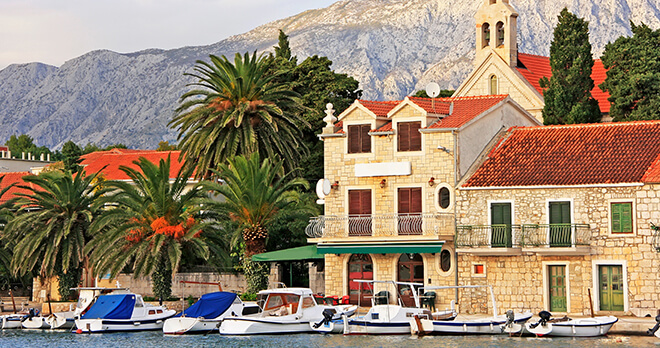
point(621, 217)
point(500, 214)
point(415, 136)
point(404, 201)
point(410, 200)
point(359, 202)
point(403, 136)
point(560, 212)
point(408, 136)
point(365, 139)
point(354, 145)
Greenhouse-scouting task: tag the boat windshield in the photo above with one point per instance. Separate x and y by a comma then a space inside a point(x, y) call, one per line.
point(279, 300)
point(308, 302)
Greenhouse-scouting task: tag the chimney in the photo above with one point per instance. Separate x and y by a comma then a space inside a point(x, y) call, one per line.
point(48, 157)
point(41, 158)
point(22, 155)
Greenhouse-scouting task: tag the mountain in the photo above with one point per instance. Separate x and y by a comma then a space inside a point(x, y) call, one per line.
point(393, 47)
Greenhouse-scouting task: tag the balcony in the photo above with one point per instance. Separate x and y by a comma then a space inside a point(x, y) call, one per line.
point(382, 225)
point(547, 239)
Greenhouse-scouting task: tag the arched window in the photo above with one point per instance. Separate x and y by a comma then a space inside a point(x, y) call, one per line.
point(486, 35)
point(411, 270)
point(500, 34)
point(493, 85)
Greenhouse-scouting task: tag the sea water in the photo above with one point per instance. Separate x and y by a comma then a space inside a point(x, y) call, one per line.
point(153, 339)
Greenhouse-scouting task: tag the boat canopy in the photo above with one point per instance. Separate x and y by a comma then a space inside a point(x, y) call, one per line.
point(210, 305)
point(118, 306)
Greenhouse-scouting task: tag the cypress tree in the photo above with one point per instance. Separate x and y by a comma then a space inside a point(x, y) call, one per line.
point(567, 94)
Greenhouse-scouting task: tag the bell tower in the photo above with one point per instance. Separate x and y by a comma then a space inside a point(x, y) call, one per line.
point(497, 31)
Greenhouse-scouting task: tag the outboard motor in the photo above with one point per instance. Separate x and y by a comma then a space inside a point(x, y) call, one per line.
point(31, 314)
point(327, 317)
point(544, 318)
point(652, 331)
point(509, 319)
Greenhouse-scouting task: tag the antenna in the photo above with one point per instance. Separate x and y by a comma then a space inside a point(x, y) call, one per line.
point(432, 90)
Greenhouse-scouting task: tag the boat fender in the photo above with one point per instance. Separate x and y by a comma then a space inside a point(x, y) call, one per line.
point(652, 330)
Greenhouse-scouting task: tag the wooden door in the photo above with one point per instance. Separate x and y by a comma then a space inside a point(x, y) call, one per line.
point(560, 224)
point(410, 211)
point(360, 267)
point(611, 288)
point(557, 291)
point(500, 216)
point(411, 269)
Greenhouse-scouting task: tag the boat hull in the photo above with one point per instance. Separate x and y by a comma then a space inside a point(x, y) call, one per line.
point(259, 326)
point(12, 321)
point(61, 321)
point(35, 323)
point(488, 326)
point(179, 326)
point(584, 327)
point(366, 327)
point(112, 325)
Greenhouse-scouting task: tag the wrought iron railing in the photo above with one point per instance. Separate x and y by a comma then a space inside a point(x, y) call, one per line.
point(656, 237)
point(380, 225)
point(526, 236)
point(496, 236)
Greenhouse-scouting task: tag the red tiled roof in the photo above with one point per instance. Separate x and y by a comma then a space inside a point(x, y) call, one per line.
point(94, 162)
point(387, 127)
point(536, 67)
point(585, 154)
point(13, 178)
point(380, 108)
point(464, 109)
point(436, 106)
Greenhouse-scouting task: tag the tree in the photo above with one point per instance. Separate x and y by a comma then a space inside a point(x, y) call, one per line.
point(567, 95)
point(148, 224)
point(71, 156)
point(165, 146)
point(255, 192)
point(25, 144)
point(51, 226)
point(633, 75)
point(238, 109)
point(444, 93)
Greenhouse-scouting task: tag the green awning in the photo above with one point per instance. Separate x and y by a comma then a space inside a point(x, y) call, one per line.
point(381, 248)
point(307, 252)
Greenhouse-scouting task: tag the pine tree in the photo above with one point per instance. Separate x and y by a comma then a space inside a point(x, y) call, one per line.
point(633, 75)
point(282, 50)
point(567, 94)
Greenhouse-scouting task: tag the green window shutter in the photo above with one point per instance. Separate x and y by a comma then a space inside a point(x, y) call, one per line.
point(500, 213)
point(621, 217)
point(560, 212)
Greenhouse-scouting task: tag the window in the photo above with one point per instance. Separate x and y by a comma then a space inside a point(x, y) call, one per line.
point(486, 33)
point(500, 221)
point(493, 85)
point(445, 260)
point(408, 136)
point(622, 221)
point(410, 209)
point(359, 140)
point(500, 33)
point(359, 211)
point(478, 270)
point(444, 198)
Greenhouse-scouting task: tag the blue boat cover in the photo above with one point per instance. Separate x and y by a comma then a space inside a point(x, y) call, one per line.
point(210, 306)
point(112, 307)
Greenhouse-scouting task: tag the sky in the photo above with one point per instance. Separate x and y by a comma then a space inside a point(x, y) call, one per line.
point(54, 31)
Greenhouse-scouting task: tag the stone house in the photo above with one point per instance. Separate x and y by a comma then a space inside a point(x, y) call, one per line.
point(393, 166)
point(557, 215)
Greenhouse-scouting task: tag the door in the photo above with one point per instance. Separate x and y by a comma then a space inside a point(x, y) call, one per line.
point(500, 220)
point(560, 224)
point(360, 267)
point(557, 291)
point(411, 270)
point(410, 211)
point(359, 212)
point(611, 288)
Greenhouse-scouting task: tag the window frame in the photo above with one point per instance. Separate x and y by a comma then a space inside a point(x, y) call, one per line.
point(364, 139)
point(407, 136)
point(633, 215)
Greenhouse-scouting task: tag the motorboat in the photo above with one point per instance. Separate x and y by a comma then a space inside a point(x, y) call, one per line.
point(497, 324)
point(385, 318)
point(333, 320)
point(86, 297)
point(11, 321)
point(581, 327)
point(34, 321)
point(122, 312)
point(285, 310)
point(207, 313)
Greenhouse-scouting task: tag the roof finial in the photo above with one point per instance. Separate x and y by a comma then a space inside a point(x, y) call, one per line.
point(330, 118)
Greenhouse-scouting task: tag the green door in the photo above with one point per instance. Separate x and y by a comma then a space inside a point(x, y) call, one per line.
point(557, 275)
point(500, 220)
point(560, 224)
point(611, 288)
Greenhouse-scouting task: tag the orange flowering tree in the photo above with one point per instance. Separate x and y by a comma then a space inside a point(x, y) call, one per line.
point(148, 224)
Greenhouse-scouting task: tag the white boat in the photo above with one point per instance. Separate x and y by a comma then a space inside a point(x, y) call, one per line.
point(122, 312)
point(11, 321)
point(333, 319)
point(581, 327)
point(497, 324)
point(286, 310)
point(391, 319)
point(207, 313)
point(86, 297)
point(32, 321)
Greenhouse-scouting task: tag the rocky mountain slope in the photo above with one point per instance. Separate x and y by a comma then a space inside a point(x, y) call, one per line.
point(393, 47)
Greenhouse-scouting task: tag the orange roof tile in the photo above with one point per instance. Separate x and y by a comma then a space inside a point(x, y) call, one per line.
point(584, 154)
point(464, 108)
point(111, 160)
point(380, 108)
point(13, 178)
point(535, 67)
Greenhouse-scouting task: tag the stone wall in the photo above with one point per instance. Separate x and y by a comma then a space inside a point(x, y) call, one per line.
point(519, 280)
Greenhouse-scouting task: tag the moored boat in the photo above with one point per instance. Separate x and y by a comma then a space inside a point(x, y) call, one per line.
point(286, 310)
point(11, 321)
point(567, 327)
point(207, 313)
point(122, 312)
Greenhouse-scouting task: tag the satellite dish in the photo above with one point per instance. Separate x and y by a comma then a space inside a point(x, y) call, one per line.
point(326, 187)
point(319, 189)
point(432, 89)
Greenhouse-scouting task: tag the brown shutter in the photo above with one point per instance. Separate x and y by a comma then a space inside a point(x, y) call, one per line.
point(353, 139)
point(365, 202)
point(365, 138)
point(416, 200)
point(404, 200)
point(415, 136)
point(403, 136)
point(359, 202)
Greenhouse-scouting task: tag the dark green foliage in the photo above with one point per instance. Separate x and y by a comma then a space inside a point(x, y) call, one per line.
point(287, 229)
point(161, 280)
point(71, 156)
point(165, 146)
point(633, 78)
point(444, 93)
point(25, 144)
point(567, 94)
point(256, 274)
point(66, 281)
point(91, 147)
point(282, 50)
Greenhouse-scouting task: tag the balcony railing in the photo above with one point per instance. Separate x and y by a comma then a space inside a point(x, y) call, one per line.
point(525, 236)
point(382, 225)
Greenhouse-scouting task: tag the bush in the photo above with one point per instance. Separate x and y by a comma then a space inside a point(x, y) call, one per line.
point(248, 296)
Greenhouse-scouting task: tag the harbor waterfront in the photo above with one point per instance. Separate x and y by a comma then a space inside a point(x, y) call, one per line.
point(19, 338)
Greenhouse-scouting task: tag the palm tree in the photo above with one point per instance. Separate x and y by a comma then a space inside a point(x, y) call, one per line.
point(254, 193)
point(238, 110)
point(51, 226)
point(148, 223)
